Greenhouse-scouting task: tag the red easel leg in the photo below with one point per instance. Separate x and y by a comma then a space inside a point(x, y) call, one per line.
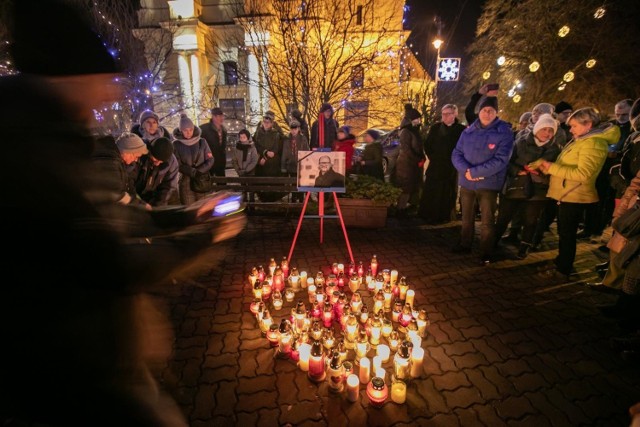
point(344, 228)
point(321, 214)
point(295, 237)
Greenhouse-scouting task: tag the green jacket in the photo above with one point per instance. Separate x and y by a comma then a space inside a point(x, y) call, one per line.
point(574, 173)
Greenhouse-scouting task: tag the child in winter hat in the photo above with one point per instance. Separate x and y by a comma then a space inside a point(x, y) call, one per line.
point(185, 122)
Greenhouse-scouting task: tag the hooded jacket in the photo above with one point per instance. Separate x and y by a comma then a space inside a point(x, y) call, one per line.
point(574, 173)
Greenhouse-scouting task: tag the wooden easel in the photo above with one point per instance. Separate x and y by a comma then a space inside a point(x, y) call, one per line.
point(321, 216)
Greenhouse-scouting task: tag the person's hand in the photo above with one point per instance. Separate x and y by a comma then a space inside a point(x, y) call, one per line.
point(262, 161)
point(186, 170)
point(544, 166)
point(634, 413)
point(148, 207)
point(522, 172)
point(483, 89)
point(270, 154)
point(467, 175)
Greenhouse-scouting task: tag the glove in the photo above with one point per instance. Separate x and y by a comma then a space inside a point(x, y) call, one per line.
point(187, 170)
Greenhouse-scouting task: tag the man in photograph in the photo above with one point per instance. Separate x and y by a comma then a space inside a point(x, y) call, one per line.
point(327, 176)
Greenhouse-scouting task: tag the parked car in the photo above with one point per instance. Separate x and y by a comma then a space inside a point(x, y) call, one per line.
point(390, 140)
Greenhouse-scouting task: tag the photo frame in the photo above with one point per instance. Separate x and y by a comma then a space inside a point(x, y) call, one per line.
point(321, 171)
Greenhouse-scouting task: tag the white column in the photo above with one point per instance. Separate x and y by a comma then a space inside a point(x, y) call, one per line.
point(264, 83)
point(254, 90)
point(185, 80)
point(195, 85)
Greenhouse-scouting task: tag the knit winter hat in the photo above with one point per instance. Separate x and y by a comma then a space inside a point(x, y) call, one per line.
point(373, 134)
point(413, 114)
point(161, 149)
point(525, 117)
point(131, 143)
point(634, 115)
point(345, 129)
point(545, 121)
point(543, 108)
point(270, 115)
point(56, 40)
point(325, 107)
point(185, 122)
point(562, 106)
point(294, 124)
point(148, 114)
point(488, 101)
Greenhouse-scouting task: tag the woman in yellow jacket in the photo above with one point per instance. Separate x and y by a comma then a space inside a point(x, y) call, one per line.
point(573, 177)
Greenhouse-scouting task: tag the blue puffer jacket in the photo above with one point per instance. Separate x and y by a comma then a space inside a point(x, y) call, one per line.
point(486, 153)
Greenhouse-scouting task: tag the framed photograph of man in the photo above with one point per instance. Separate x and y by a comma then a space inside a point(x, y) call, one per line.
point(321, 171)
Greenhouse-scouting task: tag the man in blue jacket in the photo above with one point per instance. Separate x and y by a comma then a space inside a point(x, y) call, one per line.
point(481, 157)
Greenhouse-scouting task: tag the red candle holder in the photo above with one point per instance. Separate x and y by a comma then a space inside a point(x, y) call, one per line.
point(377, 392)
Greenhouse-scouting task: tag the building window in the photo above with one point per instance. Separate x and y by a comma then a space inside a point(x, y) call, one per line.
point(235, 116)
point(356, 115)
point(357, 77)
point(359, 15)
point(230, 73)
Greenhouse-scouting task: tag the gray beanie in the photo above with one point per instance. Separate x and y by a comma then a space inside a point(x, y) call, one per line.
point(131, 143)
point(148, 114)
point(525, 117)
point(185, 122)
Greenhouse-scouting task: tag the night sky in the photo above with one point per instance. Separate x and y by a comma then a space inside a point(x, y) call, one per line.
point(458, 19)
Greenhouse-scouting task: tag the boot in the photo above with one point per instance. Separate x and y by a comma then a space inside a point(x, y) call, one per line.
point(523, 250)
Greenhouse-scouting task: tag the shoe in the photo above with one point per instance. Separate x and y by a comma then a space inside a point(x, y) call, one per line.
point(555, 275)
point(603, 248)
point(602, 266)
point(485, 260)
point(583, 235)
point(600, 287)
point(523, 250)
point(459, 249)
point(595, 238)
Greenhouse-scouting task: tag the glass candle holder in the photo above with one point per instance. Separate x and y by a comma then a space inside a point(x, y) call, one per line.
point(398, 391)
point(289, 295)
point(365, 370)
point(417, 360)
point(272, 266)
point(353, 388)
point(304, 281)
point(403, 287)
point(401, 363)
point(336, 373)
point(304, 351)
point(383, 351)
point(374, 265)
point(410, 296)
point(393, 277)
point(360, 269)
point(377, 391)
point(273, 335)
point(316, 371)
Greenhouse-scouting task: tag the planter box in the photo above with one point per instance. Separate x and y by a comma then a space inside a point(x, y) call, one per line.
point(363, 213)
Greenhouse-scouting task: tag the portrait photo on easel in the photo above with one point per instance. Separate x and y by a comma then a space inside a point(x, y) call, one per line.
point(321, 171)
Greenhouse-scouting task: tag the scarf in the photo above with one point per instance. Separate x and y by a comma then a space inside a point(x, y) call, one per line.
point(149, 138)
point(245, 150)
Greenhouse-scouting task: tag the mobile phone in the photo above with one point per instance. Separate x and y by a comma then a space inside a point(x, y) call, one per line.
point(228, 205)
point(493, 86)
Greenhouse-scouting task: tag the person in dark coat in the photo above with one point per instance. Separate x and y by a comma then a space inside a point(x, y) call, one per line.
point(481, 157)
point(293, 143)
point(156, 176)
point(326, 125)
point(327, 177)
point(304, 126)
point(370, 161)
point(269, 142)
point(215, 133)
point(440, 189)
point(193, 155)
point(149, 129)
point(538, 144)
point(471, 110)
point(408, 170)
point(72, 325)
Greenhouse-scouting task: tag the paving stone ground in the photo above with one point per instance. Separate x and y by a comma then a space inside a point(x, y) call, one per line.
point(504, 348)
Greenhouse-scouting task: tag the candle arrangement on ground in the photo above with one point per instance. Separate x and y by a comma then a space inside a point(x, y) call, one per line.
point(331, 333)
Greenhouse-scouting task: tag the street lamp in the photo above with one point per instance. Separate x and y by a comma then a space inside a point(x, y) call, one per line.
point(437, 43)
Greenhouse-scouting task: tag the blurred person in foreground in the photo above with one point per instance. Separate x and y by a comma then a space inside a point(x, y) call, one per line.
point(573, 182)
point(75, 322)
point(156, 173)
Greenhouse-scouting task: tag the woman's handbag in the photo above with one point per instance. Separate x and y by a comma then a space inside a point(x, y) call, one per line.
point(201, 183)
point(519, 187)
point(628, 224)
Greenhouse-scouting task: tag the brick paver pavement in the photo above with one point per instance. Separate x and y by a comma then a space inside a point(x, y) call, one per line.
point(504, 346)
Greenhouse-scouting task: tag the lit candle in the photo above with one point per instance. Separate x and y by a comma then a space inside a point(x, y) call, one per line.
point(277, 300)
point(289, 295)
point(383, 351)
point(340, 268)
point(310, 282)
point(386, 327)
point(273, 335)
point(365, 370)
point(374, 265)
point(403, 287)
point(253, 276)
point(377, 363)
point(356, 302)
point(394, 277)
point(294, 279)
point(376, 331)
point(353, 387)
point(417, 359)
point(401, 364)
point(316, 371)
point(284, 265)
point(377, 392)
point(354, 283)
point(266, 290)
point(393, 341)
point(388, 293)
point(423, 322)
point(334, 268)
point(304, 282)
point(379, 282)
point(410, 296)
point(360, 269)
point(305, 350)
point(398, 391)
point(311, 291)
point(272, 266)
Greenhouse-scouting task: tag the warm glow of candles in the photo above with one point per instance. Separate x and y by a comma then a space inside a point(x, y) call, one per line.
point(311, 291)
point(353, 387)
point(398, 392)
point(377, 391)
point(304, 282)
point(394, 277)
point(417, 359)
point(410, 296)
point(365, 370)
point(383, 351)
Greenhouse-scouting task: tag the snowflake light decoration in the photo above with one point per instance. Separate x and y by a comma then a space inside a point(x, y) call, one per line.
point(448, 69)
